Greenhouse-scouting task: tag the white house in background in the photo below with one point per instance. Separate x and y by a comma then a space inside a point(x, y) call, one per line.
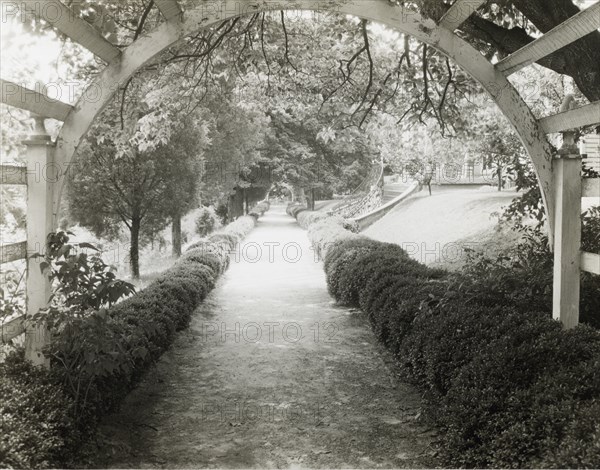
point(589, 147)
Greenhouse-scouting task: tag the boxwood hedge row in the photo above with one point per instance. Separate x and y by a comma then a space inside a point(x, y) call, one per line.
point(505, 383)
point(48, 414)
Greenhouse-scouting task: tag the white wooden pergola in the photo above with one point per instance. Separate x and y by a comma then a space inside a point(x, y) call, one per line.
point(559, 178)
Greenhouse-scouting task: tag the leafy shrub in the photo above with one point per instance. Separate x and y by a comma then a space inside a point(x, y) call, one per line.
point(323, 229)
point(207, 251)
point(213, 260)
point(291, 206)
point(580, 447)
point(207, 221)
point(306, 218)
point(324, 232)
point(227, 239)
point(12, 294)
point(261, 208)
point(590, 232)
point(517, 395)
point(98, 357)
point(37, 428)
point(82, 282)
point(524, 277)
point(340, 255)
point(295, 208)
point(505, 383)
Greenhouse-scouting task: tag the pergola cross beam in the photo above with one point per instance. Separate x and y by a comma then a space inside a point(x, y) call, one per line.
point(38, 103)
point(170, 9)
point(579, 117)
point(562, 35)
point(459, 12)
point(71, 24)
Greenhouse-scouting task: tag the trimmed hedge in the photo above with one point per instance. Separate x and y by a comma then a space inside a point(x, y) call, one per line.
point(307, 218)
point(261, 208)
point(44, 421)
point(507, 385)
point(37, 422)
point(295, 208)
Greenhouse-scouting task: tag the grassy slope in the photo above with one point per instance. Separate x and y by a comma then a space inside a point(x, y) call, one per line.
point(432, 228)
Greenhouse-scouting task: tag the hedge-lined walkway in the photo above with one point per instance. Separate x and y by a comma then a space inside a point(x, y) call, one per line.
point(229, 399)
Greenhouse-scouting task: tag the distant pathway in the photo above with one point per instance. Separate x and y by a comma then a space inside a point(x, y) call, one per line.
point(313, 391)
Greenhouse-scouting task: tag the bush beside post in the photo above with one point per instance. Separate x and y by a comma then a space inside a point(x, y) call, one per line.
point(48, 415)
point(508, 386)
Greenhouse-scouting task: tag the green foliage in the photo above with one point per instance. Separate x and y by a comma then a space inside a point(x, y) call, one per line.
point(307, 218)
point(37, 428)
point(295, 208)
point(206, 221)
point(259, 209)
point(505, 382)
point(12, 293)
point(523, 276)
point(83, 286)
point(128, 176)
point(99, 356)
point(322, 233)
point(262, 207)
point(82, 282)
point(590, 232)
point(323, 230)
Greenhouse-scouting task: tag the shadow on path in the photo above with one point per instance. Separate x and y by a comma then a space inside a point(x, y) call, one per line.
point(271, 373)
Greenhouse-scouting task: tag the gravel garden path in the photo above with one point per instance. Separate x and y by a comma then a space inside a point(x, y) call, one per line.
point(270, 374)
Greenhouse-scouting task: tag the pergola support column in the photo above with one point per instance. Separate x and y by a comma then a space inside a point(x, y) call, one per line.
point(567, 233)
point(40, 185)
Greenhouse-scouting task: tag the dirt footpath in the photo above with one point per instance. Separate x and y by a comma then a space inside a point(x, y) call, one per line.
point(270, 374)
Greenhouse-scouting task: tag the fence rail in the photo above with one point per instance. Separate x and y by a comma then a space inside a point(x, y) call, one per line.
point(591, 187)
point(590, 262)
point(13, 252)
point(13, 174)
point(12, 328)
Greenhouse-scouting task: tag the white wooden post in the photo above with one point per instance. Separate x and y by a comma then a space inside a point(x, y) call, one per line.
point(40, 182)
point(567, 232)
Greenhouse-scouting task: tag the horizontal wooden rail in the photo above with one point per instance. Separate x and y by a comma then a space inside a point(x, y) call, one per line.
point(590, 262)
point(591, 187)
point(558, 37)
point(13, 252)
point(12, 328)
point(30, 100)
point(579, 117)
point(71, 24)
point(13, 174)
point(459, 12)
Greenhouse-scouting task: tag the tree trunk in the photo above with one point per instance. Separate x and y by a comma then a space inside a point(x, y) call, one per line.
point(302, 196)
point(246, 210)
point(499, 179)
point(312, 199)
point(176, 235)
point(134, 249)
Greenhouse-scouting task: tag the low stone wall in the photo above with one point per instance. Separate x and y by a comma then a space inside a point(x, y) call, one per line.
point(379, 211)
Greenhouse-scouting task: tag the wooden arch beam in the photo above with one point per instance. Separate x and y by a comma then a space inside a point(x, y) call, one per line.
point(169, 8)
point(459, 12)
point(71, 24)
point(382, 11)
point(34, 101)
point(562, 35)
